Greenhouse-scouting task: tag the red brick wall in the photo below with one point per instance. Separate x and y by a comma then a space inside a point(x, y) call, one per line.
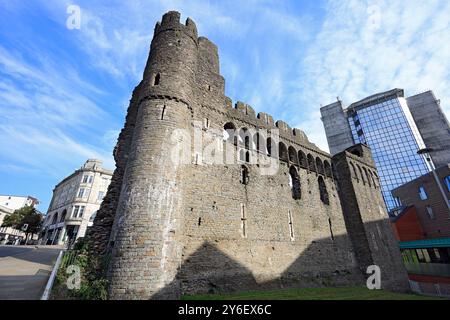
point(407, 227)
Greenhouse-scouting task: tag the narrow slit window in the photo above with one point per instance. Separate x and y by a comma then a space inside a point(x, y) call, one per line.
point(291, 226)
point(243, 221)
point(157, 79)
point(163, 112)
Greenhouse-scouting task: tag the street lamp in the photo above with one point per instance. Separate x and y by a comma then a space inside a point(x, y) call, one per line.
point(426, 153)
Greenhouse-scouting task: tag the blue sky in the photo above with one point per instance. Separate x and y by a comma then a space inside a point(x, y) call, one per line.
point(64, 93)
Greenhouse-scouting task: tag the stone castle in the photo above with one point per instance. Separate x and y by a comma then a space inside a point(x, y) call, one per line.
point(279, 212)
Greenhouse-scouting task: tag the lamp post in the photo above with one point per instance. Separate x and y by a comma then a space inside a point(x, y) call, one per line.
point(426, 153)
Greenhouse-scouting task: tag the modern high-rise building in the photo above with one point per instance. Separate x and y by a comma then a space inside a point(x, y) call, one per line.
point(74, 204)
point(395, 128)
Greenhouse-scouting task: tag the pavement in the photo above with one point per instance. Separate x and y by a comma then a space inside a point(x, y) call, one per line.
point(24, 270)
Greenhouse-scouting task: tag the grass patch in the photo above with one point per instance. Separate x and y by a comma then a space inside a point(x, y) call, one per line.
point(341, 293)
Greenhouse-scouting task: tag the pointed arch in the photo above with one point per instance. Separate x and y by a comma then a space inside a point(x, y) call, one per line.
point(323, 191)
point(294, 180)
point(282, 149)
point(327, 168)
point(319, 166)
point(271, 147)
point(229, 132)
point(353, 171)
point(361, 174)
point(367, 177)
point(244, 175)
point(302, 159)
point(292, 155)
point(311, 163)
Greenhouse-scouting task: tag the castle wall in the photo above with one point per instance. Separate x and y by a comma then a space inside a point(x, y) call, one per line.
point(365, 214)
point(209, 224)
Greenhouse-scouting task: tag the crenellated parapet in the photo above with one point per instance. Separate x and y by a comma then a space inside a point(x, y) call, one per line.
point(171, 21)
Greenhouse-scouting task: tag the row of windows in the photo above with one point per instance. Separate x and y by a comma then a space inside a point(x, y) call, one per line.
point(268, 147)
point(83, 193)
point(77, 212)
point(294, 183)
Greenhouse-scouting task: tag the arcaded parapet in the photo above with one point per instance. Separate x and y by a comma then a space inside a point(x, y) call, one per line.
point(366, 217)
point(251, 203)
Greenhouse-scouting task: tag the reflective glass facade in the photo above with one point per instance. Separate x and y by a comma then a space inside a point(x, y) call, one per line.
point(387, 127)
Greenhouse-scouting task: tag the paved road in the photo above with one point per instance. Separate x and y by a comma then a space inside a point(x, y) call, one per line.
point(24, 270)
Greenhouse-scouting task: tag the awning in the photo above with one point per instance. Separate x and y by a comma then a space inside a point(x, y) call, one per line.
point(426, 243)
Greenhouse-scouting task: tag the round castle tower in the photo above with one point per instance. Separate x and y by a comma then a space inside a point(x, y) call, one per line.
point(145, 239)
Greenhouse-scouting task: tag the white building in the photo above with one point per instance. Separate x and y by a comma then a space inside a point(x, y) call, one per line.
point(74, 204)
point(8, 204)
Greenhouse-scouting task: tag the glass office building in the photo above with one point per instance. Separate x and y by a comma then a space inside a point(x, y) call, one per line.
point(385, 124)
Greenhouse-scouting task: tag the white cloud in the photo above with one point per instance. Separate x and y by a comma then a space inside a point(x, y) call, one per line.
point(353, 58)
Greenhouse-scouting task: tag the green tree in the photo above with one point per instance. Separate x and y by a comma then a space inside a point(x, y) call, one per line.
point(27, 219)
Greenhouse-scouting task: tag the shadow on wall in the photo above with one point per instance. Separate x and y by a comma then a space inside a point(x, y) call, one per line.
point(322, 264)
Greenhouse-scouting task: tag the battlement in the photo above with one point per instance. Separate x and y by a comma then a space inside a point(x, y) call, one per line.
point(171, 21)
point(266, 121)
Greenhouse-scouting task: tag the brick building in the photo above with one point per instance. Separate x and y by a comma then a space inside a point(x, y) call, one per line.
point(422, 225)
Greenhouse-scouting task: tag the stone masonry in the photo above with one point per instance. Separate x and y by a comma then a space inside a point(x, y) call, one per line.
point(199, 226)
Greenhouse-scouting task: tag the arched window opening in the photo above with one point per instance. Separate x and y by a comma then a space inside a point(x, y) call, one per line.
point(302, 159)
point(55, 218)
point(247, 156)
point(294, 183)
point(311, 163)
point(63, 216)
point(229, 133)
point(361, 174)
point(354, 173)
point(367, 177)
point(373, 180)
point(242, 155)
point(256, 141)
point(323, 191)
point(244, 138)
point(269, 146)
point(293, 156)
point(283, 152)
point(319, 166)
point(327, 168)
point(260, 143)
point(157, 79)
point(244, 175)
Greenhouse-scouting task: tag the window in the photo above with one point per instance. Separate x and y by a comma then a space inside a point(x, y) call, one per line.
point(430, 212)
point(206, 123)
point(92, 218)
point(447, 182)
point(88, 179)
point(229, 133)
point(422, 193)
point(63, 216)
point(101, 195)
point(157, 79)
point(77, 211)
point(323, 191)
point(291, 226)
point(283, 152)
point(294, 182)
point(244, 175)
point(81, 192)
